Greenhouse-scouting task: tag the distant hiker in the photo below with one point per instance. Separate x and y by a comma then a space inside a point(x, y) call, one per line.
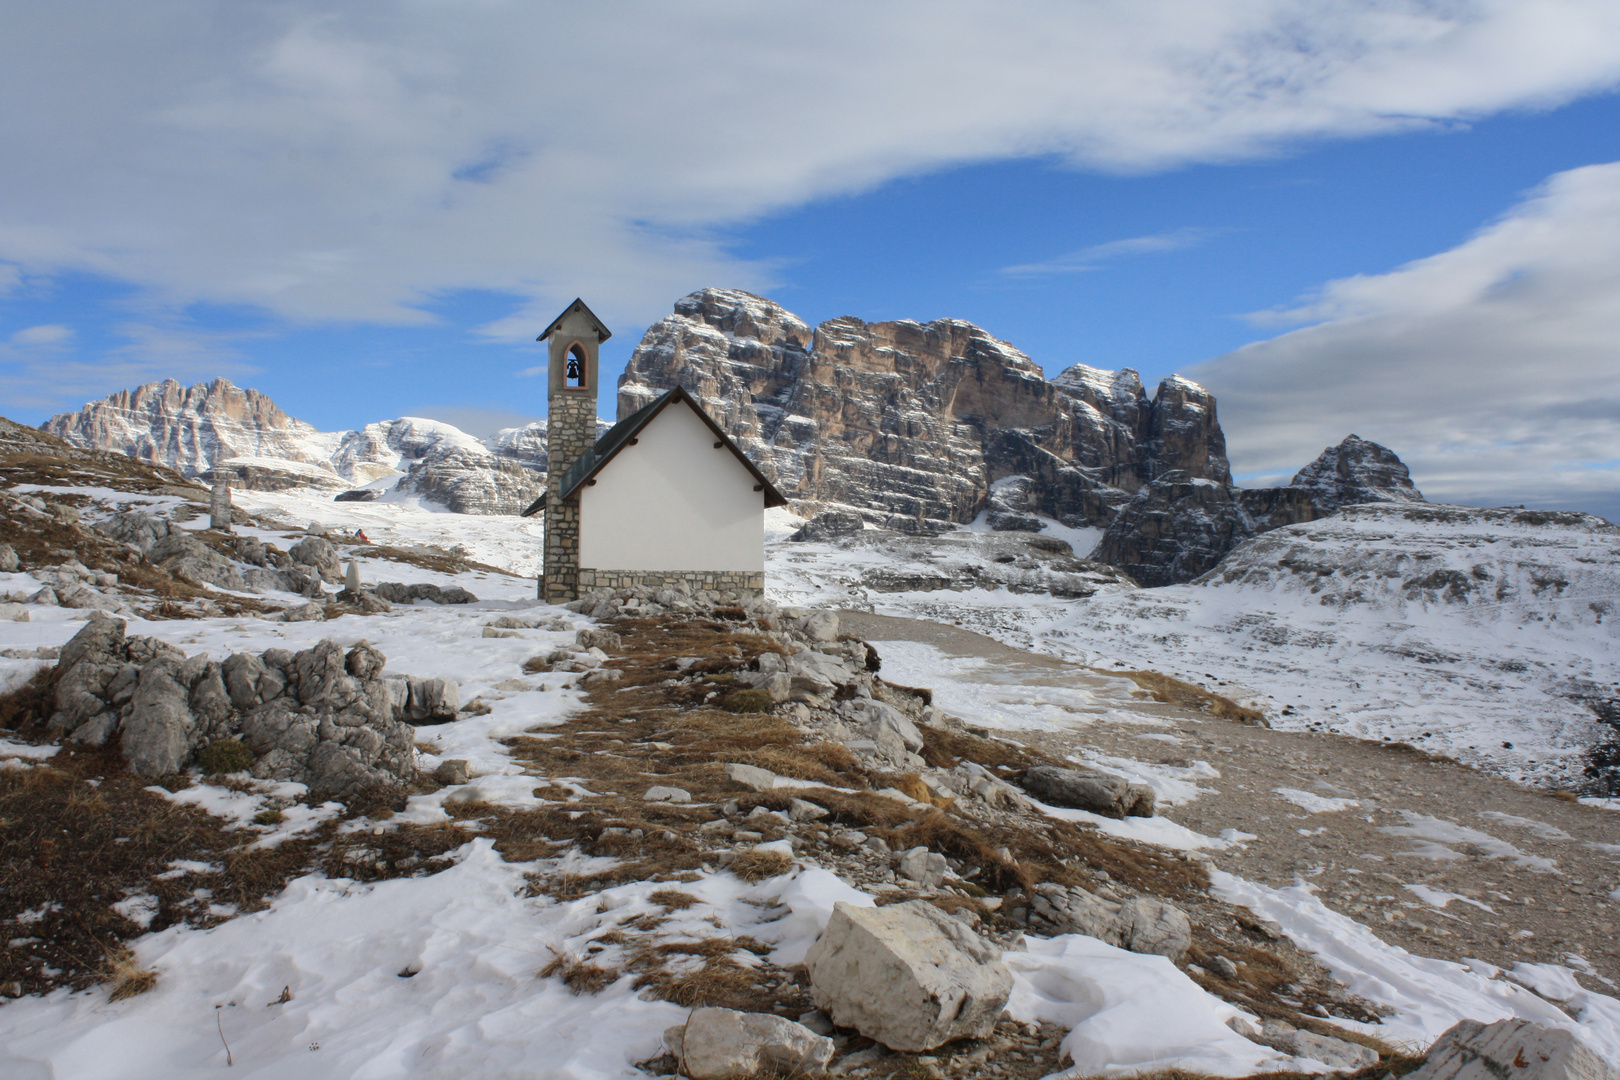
point(360, 537)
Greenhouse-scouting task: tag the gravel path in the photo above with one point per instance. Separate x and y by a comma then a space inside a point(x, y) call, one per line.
point(1384, 833)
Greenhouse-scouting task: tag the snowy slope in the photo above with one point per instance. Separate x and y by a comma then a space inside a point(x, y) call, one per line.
point(1487, 635)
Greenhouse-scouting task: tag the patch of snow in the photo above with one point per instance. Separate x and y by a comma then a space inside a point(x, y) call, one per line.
point(1427, 996)
point(1312, 803)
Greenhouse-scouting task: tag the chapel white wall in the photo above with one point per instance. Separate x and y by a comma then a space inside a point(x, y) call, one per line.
point(673, 502)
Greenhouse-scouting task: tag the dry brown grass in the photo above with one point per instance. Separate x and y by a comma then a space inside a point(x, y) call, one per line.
point(759, 865)
point(125, 975)
point(673, 899)
point(1172, 691)
point(69, 849)
point(580, 976)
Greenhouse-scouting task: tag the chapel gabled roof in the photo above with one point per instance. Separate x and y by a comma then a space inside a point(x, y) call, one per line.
point(619, 436)
point(602, 332)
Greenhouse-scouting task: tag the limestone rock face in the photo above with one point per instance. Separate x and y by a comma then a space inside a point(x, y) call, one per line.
point(1356, 471)
point(908, 424)
point(1178, 527)
point(918, 427)
point(189, 428)
point(908, 975)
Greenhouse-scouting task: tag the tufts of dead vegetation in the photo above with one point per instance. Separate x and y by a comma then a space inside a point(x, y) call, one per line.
point(124, 975)
point(759, 865)
point(1172, 691)
point(81, 834)
point(580, 976)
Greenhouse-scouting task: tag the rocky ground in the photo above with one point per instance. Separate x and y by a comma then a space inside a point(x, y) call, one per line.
point(1439, 858)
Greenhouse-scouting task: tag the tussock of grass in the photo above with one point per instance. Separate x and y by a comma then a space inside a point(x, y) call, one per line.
point(125, 975)
point(759, 865)
point(673, 899)
point(225, 756)
point(580, 976)
point(747, 701)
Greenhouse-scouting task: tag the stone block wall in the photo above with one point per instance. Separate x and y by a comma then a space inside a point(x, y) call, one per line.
point(742, 582)
point(571, 434)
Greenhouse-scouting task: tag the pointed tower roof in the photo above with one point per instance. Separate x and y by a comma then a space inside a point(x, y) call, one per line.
point(602, 332)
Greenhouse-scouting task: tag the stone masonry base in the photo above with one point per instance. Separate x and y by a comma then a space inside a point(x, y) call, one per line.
point(741, 582)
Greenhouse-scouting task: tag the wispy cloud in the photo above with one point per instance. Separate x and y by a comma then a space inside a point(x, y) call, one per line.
point(48, 334)
point(1093, 257)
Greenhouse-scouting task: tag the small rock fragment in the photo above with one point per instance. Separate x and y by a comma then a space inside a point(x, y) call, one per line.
point(751, 776)
point(451, 771)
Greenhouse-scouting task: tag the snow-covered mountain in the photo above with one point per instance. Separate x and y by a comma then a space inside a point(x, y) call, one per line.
point(217, 429)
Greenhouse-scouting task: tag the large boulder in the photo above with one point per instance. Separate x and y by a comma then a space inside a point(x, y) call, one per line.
point(1511, 1050)
point(723, 1044)
point(320, 555)
point(1139, 924)
point(1098, 793)
point(908, 975)
point(186, 557)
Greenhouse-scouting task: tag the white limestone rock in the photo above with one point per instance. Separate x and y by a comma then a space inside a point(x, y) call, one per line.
point(908, 975)
point(724, 1044)
point(751, 776)
point(1517, 1049)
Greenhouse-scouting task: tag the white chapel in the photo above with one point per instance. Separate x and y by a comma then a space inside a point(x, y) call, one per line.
point(664, 498)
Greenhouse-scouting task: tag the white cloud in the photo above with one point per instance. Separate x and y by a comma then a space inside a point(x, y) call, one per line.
point(346, 161)
point(1092, 258)
point(10, 278)
point(48, 334)
point(1493, 369)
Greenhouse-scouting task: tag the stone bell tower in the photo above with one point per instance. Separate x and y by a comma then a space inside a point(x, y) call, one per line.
point(575, 337)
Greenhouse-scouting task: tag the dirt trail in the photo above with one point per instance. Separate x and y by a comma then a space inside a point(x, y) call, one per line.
point(1543, 866)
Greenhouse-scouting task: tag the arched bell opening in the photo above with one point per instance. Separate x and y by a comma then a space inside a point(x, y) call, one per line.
point(574, 371)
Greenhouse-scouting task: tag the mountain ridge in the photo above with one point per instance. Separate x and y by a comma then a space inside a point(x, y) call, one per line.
point(916, 427)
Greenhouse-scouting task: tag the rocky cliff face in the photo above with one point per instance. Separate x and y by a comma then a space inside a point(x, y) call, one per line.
point(919, 427)
point(190, 428)
point(1176, 528)
point(909, 424)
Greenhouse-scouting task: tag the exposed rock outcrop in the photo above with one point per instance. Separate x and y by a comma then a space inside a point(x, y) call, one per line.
point(1086, 789)
point(1471, 1050)
point(1140, 924)
point(323, 716)
point(724, 1044)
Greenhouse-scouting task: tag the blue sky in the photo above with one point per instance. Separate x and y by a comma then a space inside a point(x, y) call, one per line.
point(364, 212)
